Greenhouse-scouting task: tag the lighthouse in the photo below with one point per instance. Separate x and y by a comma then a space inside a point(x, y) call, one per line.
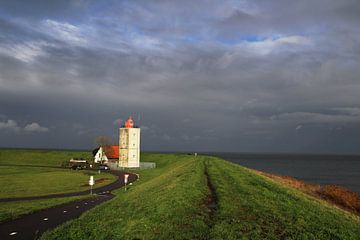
point(129, 145)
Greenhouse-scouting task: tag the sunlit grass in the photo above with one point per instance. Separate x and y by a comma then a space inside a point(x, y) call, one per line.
point(169, 202)
point(254, 207)
point(166, 203)
point(17, 180)
point(36, 181)
point(39, 157)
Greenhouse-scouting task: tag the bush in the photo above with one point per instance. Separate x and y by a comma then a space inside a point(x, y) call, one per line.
point(342, 196)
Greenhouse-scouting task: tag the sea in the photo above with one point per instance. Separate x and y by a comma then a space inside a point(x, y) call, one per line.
point(341, 170)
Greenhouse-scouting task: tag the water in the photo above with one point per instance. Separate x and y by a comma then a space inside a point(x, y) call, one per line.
point(342, 170)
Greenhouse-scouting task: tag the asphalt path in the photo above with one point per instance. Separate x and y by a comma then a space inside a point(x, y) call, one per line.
point(32, 226)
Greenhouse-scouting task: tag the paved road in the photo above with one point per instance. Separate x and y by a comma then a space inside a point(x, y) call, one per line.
point(33, 225)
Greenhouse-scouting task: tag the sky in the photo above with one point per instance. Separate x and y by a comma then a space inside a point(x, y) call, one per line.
point(228, 76)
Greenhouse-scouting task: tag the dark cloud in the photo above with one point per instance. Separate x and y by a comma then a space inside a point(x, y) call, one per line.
point(39, 9)
point(196, 75)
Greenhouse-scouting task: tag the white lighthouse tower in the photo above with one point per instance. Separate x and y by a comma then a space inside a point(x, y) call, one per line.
point(129, 145)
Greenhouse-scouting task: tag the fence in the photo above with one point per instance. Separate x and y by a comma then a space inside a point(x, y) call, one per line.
point(147, 165)
point(143, 165)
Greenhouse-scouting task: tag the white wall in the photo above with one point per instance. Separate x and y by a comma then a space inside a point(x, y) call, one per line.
point(100, 156)
point(129, 142)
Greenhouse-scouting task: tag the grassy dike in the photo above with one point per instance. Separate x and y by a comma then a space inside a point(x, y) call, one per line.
point(166, 203)
point(175, 201)
point(252, 206)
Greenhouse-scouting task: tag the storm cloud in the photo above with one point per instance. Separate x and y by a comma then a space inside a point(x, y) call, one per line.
point(250, 76)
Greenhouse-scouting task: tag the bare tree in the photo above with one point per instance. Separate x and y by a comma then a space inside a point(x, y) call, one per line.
point(103, 141)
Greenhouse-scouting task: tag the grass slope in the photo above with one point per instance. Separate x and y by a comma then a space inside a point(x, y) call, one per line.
point(170, 202)
point(166, 203)
point(254, 207)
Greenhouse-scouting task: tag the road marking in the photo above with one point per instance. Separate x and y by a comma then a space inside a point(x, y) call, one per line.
point(13, 233)
point(92, 201)
point(64, 211)
point(77, 206)
point(86, 203)
point(45, 219)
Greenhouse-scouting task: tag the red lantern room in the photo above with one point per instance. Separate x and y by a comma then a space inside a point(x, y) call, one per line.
point(129, 123)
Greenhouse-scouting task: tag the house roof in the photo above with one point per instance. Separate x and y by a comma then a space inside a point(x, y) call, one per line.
point(112, 151)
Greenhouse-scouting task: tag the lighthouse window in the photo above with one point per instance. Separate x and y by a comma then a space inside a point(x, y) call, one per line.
point(133, 144)
point(133, 156)
point(134, 134)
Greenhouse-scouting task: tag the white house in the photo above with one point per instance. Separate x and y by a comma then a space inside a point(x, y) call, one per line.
point(103, 155)
point(100, 155)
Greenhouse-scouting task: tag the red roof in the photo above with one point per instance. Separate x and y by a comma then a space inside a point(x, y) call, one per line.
point(112, 151)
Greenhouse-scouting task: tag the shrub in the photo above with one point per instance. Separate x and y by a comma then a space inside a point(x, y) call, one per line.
point(342, 197)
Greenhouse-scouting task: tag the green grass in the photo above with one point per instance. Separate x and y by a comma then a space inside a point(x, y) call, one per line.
point(166, 203)
point(254, 207)
point(18, 180)
point(39, 181)
point(12, 210)
point(39, 157)
point(169, 202)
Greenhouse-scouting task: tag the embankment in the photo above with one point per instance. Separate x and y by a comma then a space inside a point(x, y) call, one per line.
point(202, 197)
point(333, 194)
